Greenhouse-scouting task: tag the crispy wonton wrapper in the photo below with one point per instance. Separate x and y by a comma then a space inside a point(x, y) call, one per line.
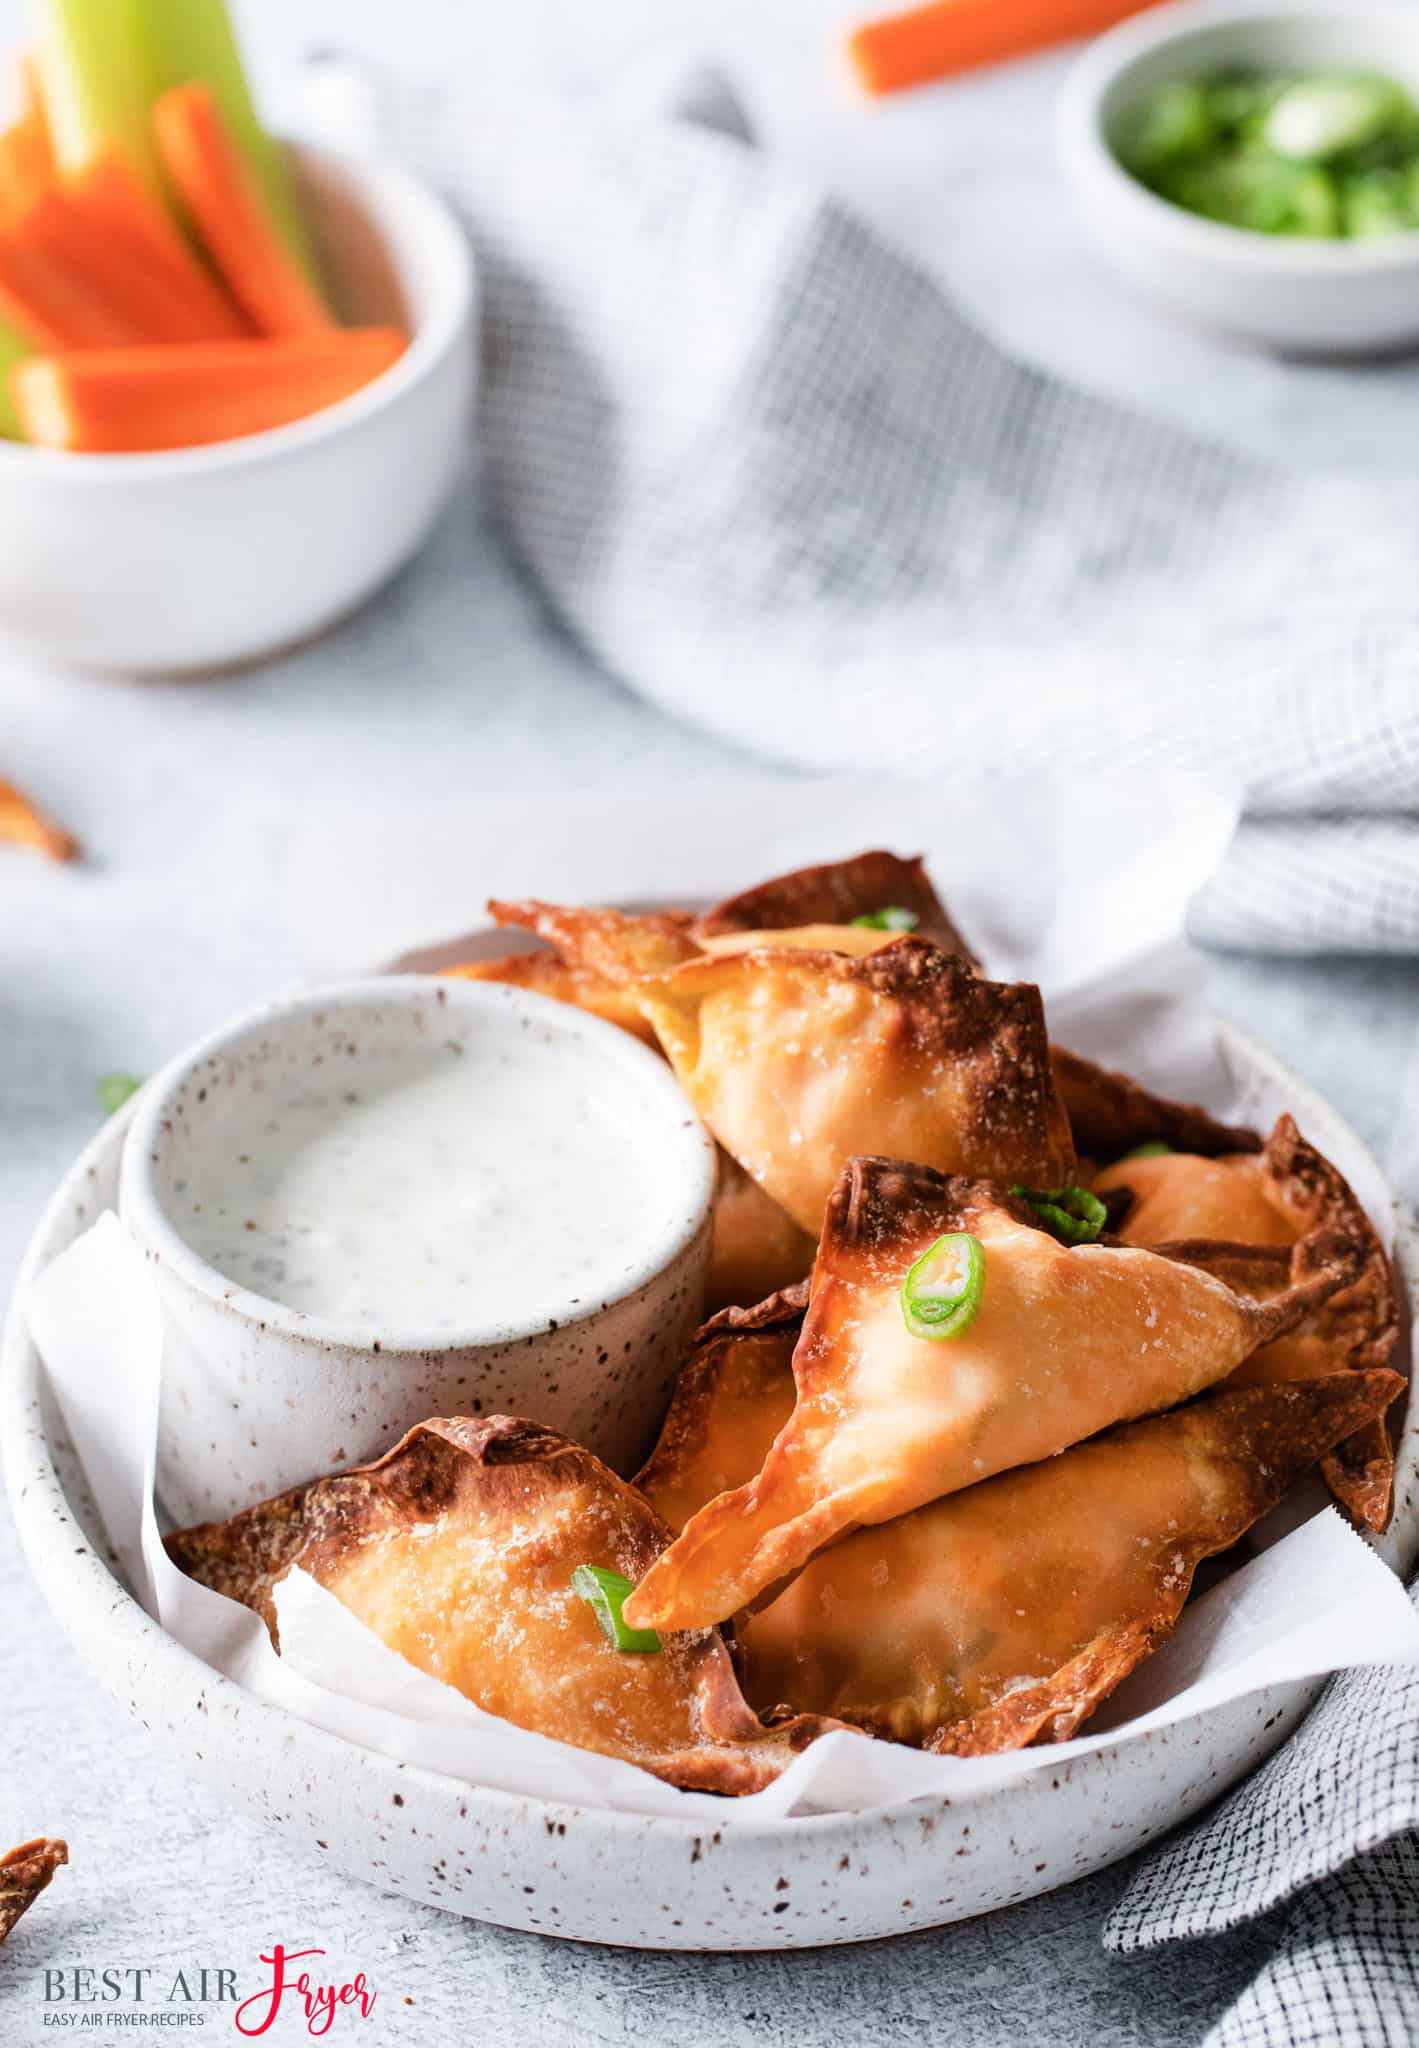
point(24, 1873)
point(833, 895)
point(797, 1061)
point(1005, 1614)
point(1287, 1201)
point(615, 944)
point(1067, 1341)
point(457, 1548)
point(1110, 1114)
point(547, 974)
point(734, 1394)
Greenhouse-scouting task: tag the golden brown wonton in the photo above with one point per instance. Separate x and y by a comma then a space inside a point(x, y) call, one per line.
point(457, 1548)
point(800, 938)
point(547, 974)
point(614, 944)
point(835, 894)
point(1285, 1196)
point(1005, 1614)
point(1066, 1341)
point(797, 1061)
point(24, 1873)
point(1109, 1114)
point(734, 1394)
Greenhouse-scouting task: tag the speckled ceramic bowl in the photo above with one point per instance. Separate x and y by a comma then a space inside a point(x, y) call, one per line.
point(585, 1875)
point(257, 1396)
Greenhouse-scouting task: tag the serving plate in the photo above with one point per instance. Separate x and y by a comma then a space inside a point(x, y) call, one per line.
point(589, 1875)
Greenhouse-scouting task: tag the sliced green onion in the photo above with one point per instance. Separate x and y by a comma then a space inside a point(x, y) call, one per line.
point(891, 918)
point(115, 1089)
point(1071, 1214)
point(1322, 117)
point(606, 1593)
point(941, 1295)
point(1156, 1148)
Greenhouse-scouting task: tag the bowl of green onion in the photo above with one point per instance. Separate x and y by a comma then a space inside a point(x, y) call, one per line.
point(1257, 171)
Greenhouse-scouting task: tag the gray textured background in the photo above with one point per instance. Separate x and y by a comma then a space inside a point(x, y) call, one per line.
point(225, 820)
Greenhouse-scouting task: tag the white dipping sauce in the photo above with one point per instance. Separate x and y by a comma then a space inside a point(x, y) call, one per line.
point(431, 1188)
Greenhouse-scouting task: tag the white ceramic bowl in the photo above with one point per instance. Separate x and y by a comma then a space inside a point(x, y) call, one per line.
point(258, 1396)
point(201, 557)
point(1302, 296)
point(588, 1875)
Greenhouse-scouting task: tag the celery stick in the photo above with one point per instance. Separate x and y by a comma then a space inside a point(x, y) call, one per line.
point(96, 77)
point(12, 347)
point(194, 41)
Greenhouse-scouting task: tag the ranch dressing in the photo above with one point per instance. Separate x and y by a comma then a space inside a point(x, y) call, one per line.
point(434, 1188)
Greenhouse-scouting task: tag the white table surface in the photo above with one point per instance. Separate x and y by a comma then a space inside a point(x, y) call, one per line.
point(234, 829)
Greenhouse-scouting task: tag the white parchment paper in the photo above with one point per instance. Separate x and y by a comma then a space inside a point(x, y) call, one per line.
point(1082, 889)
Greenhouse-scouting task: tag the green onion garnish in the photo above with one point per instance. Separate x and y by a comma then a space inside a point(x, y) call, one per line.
point(892, 918)
point(941, 1295)
point(1156, 1148)
point(1072, 1215)
point(605, 1593)
point(115, 1089)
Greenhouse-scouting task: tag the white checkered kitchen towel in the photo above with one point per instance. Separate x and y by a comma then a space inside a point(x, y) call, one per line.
point(773, 480)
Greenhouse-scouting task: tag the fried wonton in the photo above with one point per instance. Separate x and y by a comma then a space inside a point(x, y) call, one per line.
point(1290, 1201)
point(797, 1061)
point(1110, 1114)
point(734, 1394)
point(835, 894)
point(457, 1548)
point(800, 938)
point(614, 944)
point(1004, 1615)
point(547, 974)
point(757, 1247)
point(1065, 1342)
point(24, 1873)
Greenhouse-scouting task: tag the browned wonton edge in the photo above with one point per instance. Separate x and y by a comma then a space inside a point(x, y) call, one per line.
point(511, 1460)
point(1053, 1709)
point(1361, 1320)
point(24, 1873)
point(1365, 1317)
point(1111, 1114)
point(836, 893)
point(695, 1387)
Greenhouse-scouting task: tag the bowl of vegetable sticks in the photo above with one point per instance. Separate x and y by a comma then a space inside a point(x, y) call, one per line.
point(1257, 170)
point(235, 374)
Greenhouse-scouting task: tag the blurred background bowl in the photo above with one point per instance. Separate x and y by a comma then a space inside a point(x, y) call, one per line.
point(1301, 295)
point(201, 557)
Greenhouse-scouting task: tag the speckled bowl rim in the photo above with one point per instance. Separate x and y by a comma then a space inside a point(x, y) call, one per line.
point(149, 1672)
point(692, 1174)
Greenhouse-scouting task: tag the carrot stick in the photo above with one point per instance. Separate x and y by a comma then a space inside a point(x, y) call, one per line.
point(956, 35)
point(220, 192)
point(118, 401)
point(24, 824)
point(32, 96)
point(136, 297)
point(193, 42)
point(137, 257)
point(26, 165)
point(45, 302)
